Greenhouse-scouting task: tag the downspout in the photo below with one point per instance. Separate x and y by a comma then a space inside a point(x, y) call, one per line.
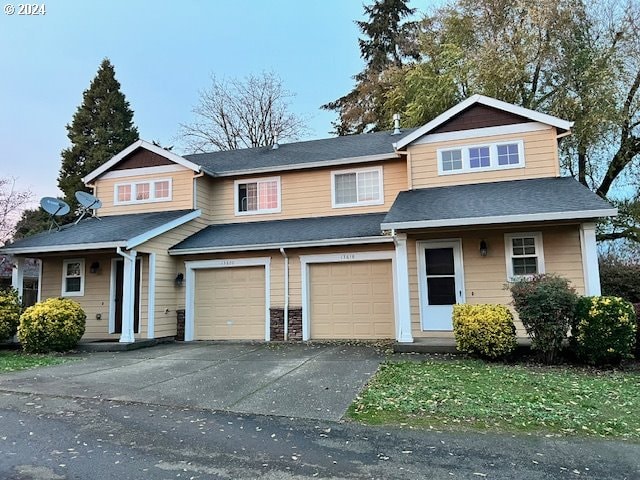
point(195, 189)
point(128, 336)
point(286, 294)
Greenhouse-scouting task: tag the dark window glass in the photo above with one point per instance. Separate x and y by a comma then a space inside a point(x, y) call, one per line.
point(441, 290)
point(73, 285)
point(525, 266)
point(439, 261)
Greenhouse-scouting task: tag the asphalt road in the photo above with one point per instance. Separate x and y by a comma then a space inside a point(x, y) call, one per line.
point(52, 438)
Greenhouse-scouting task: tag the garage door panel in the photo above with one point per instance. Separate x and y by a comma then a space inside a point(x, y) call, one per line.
point(351, 300)
point(230, 303)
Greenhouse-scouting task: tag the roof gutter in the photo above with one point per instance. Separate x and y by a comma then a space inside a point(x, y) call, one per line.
point(277, 246)
point(62, 248)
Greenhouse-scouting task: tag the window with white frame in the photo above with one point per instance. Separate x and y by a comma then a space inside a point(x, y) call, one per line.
point(73, 278)
point(524, 254)
point(357, 187)
point(143, 192)
point(472, 158)
point(257, 196)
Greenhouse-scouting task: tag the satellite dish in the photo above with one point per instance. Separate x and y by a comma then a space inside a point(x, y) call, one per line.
point(55, 208)
point(87, 202)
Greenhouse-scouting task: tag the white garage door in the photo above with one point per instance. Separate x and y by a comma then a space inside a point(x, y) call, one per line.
point(230, 303)
point(351, 300)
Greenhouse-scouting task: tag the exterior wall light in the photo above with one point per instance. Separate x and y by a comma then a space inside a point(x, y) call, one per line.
point(483, 248)
point(95, 266)
point(179, 279)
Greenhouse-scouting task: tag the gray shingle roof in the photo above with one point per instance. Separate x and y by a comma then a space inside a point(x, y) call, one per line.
point(279, 232)
point(298, 153)
point(563, 196)
point(109, 229)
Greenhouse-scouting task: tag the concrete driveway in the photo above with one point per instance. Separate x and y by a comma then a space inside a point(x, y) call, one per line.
point(305, 381)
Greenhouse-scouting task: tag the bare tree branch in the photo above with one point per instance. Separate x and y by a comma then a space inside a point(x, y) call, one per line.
point(12, 202)
point(242, 113)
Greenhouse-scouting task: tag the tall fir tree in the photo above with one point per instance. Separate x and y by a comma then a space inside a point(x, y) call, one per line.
point(101, 127)
point(389, 40)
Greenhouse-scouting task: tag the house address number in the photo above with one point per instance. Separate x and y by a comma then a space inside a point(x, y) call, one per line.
point(227, 263)
point(348, 256)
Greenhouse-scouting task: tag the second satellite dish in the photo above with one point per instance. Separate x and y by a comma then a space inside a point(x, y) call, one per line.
point(88, 202)
point(54, 207)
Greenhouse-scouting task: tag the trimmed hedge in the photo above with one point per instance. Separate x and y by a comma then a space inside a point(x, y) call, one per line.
point(486, 330)
point(604, 330)
point(10, 307)
point(57, 324)
point(545, 305)
point(637, 308)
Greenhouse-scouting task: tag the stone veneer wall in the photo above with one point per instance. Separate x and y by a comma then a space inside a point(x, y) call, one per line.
point(277, 324)
point(180, 332)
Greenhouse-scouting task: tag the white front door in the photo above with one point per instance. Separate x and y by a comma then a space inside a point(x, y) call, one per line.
point(441, 282)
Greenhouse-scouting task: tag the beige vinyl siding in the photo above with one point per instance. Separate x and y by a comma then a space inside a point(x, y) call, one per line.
point(306, 194)
point(540, 151)
point(168, 296)
point(96, 290)
point(203, 186)
point(181, 198)
point(486, 277)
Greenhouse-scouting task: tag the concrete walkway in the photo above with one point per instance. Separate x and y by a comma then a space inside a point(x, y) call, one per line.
point(304, 381)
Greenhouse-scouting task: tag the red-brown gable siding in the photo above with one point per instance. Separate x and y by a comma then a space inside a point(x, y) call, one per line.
point(479, 116)
point(142, 158)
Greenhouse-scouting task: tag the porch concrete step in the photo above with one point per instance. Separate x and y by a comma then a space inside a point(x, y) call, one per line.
point(115, 346)
point(427, 345)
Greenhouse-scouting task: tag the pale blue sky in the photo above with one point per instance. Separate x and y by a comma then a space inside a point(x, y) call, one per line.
point(164, 53)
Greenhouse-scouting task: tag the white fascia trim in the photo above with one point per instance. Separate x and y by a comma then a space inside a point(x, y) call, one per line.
point(303, 166)
point(482, 132)
point(63, 248)
point(533, 217)
point(277, 246)
point(143, 171)
point(131, 148)
point(151, 297)
point(146, 236)
point(490, 102)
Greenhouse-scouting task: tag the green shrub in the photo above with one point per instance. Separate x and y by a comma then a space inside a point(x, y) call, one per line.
point(620, 279)
point(603, 330)
point(10, 307)
point(57, 324)
point(487, 330)
point(545, 305)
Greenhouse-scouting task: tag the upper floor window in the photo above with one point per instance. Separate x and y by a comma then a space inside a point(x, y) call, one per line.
point(141, 192)
point(352, 188)
point(257, 196)
point(524, 254)
point(73, 278)
point(481, 157)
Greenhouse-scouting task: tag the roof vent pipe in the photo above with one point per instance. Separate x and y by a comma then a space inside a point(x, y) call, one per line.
point(396, 123)
point(275, 145)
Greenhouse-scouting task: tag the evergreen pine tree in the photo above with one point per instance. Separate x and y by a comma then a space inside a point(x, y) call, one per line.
point(101, 127)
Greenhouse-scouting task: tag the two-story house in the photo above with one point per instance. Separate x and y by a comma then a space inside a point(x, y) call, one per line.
point(357, 237)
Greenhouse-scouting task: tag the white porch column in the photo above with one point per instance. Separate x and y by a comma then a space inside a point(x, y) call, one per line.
point(403, 302)
point(128, 296)
point(151, 303)
point(590, 259)
point(17, 275)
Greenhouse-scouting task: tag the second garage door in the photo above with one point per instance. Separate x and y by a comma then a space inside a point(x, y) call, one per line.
point(230, 304)
point(351, 300)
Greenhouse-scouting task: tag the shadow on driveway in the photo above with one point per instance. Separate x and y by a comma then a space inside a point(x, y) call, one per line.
point(304, 381)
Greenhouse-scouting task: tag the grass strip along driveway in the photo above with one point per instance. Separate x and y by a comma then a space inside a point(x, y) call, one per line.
point(472, 394)
point(12, 361)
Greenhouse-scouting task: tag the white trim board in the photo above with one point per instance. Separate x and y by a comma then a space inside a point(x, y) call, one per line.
point(482, 132)
point(151, 296)
point(288, 245)
point(190, 278)
point(132, 148)
point(143, 171)
point(489, 102)
point(146, 236)
point(306, 260)
point(530, 217)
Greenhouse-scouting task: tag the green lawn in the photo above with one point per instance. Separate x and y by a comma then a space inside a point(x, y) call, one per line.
point(10, 361)
point(471, 394)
